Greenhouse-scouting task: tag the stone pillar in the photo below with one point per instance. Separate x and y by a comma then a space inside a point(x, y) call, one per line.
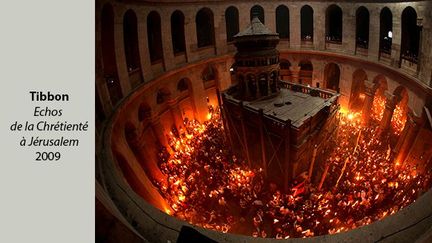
point(102, 90)
point(370, 89)
point(412, 127)
point(121, 56)
point(168, 53)
point(397, 38)
point(220, 33)
point(159, 131)
point(388, 112)
point(425, 53)
point(270, 18)
point(374, 33)
point(176, 114)
point(295, 72)
point(143, 45)
point(190, 37)
point(348, 30)
point(295, 25)
point(319, 27)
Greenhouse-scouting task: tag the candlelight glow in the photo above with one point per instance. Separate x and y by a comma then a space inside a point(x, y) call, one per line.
point(208, 186)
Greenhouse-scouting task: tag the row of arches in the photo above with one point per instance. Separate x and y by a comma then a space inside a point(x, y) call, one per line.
point(204, 22)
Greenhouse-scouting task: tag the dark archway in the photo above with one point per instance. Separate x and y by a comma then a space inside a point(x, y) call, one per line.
point(108, 54)
point(334, 24)
point(282, 22)
point(258, 11)
point(332, 76)
point(177, 32)
point(205, 28)
point(154, 36)
point(285, 72)
point(362, 27)
point(410, 35)
point(357, 96)
point(231, 22)
point(130, 35)
point(306, 71)
point(306, 22)
point(386, 30)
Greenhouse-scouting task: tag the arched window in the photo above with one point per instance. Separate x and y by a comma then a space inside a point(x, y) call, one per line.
point(231, 22)
point(108, 54)
point(282, 22)
point(410, 35)
point(306, 18)
point(305, 74)
point(285, 73)
point(332, 76)
point(182, 85)
point(362, 27)
point(204, 27)
point(177, 32)
point(208, 74)
point(258, 11)
point(130, 36)
point(334, 24)
point(357, 90)
point(386, 30)
point(154, 36)
point(162, 95)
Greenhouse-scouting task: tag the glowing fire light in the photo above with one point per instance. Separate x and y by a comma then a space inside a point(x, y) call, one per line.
point(207, 186)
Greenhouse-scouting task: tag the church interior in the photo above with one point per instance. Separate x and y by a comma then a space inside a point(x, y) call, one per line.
point(261, 121)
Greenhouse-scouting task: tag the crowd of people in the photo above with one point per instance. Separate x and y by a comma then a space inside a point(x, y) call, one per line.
point(210, 187)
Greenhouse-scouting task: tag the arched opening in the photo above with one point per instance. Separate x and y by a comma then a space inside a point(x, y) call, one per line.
point(263, 84)
point(209, 76)
point(357, 90)
point(144, 112)
point(332, 76)
point(182, 85)
point(154, 37)
point(378, 105)
point(334, 24)
point(306, 22)
point(108, 55)
point(258, 11)
point(285, 72)
point(400, 112)
point(252, 86)
point(162, 96)
point(410, 36)
point(231, 22)
point(177, 32)
point(362, 27)
point(273, 81)
point(282, 22)
point(204, 28)
point(305, 74)
point(130, 39)
point(386, 31)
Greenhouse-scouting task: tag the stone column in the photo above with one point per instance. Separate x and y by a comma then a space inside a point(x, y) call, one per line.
point(190, 37)
point(374, 33)
point(412, 127)
point(319, 27)
point(348, 30)
point(143, 45)
point(168, 53)
point(295, 25)
point(176, 114)
point(159, 131)
point(388, 112)
point(121, 56)
point(295, 72)
point(425, 53)
point(397, 38)
point(220, 33)
point(368, 102)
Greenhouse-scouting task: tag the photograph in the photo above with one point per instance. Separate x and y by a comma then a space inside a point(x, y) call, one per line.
point(263, 121)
